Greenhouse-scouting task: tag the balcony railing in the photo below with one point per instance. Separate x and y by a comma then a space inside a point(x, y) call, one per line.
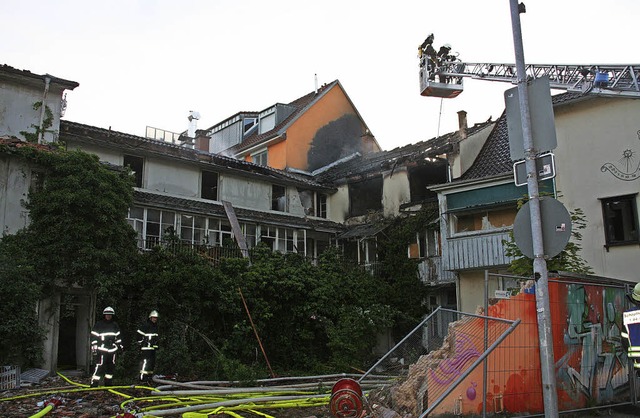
point(476, 251)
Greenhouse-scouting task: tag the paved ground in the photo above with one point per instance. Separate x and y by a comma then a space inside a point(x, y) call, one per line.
point(626, 411)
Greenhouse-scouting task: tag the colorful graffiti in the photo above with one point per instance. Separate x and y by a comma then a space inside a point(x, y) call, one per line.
point(590, 362)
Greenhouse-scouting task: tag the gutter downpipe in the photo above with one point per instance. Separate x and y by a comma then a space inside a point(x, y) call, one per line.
point(541, 274)
point(47, 81)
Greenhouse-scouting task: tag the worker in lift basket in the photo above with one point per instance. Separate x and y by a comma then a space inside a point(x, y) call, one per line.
point(631, 333)
point(105, 343)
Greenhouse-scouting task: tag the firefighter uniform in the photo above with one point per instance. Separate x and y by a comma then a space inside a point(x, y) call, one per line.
point(631, 333)
point(148, 341)
point(105, 343)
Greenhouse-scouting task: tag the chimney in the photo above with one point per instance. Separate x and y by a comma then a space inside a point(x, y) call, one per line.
point(462, 124)
point(202, 140)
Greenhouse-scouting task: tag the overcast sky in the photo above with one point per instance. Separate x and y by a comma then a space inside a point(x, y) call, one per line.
point(148, 63)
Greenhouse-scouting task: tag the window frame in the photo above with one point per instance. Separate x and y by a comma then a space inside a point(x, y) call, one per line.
point(261, 157)
point(138, 175)
point(453, 218)
point(207, 189)
point(275, 203)
point(631, 215)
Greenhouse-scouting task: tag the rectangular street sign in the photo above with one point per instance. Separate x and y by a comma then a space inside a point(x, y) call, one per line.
point(543, 128)
point(545, 169)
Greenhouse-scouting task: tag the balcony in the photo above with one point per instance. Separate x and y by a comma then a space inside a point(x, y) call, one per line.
point(476, 251)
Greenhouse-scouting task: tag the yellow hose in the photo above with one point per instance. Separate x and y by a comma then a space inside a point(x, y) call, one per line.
point(42, 413)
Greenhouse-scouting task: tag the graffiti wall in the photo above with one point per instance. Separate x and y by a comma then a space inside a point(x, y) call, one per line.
point(590, 362)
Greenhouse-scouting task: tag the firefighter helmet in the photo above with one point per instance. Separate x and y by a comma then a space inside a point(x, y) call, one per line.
point(108, 311)
point(635, 295)
point(153, 314)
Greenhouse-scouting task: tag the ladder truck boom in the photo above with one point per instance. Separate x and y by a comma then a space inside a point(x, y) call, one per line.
point(445, 78)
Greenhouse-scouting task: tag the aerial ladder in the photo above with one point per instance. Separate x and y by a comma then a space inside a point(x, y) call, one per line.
point(441, 75)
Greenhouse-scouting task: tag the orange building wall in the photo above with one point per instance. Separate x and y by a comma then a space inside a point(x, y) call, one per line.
point(277, 155)
point(299, 136)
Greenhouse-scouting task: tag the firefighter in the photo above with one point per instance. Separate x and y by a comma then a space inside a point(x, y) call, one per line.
point(631, 333)
point(148, 341)
point(105, 343)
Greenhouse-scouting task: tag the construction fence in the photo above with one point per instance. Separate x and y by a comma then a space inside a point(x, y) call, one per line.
point(488, 363)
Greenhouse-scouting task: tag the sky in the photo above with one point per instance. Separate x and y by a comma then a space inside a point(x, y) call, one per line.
point(149, 62)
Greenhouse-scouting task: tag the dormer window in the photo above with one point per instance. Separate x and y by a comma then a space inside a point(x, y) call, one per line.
point(249, 126)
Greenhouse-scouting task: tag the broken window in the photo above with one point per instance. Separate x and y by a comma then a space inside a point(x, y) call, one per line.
point(136, 165)
point(485, 220)
point(620, 217)
point(421, 177)
point(306, 200)
point(365, 196)
point(313, 203)
point(425, 244)
point(321, 205)
point(278, 198)
point(209, 188)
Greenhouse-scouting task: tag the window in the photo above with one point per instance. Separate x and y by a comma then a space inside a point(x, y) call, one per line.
point(219, 232)
point(365, 196)
point(486, 220)
point(249, 125)
point(285, 240)
point(136, 164)
point(209, 189)
point(321, 205)
point(260, 158)
point(278, 198)
point(192, 229)
point(620, 220)
point(152, 225)
point(426, 244)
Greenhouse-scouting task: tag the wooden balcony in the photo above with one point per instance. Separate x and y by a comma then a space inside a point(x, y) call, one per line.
point(477, 251)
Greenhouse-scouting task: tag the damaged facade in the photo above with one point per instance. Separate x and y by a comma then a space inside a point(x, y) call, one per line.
point(283, 176)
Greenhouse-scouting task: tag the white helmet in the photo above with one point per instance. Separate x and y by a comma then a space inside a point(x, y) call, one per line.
point(635, 295)
point(108, 311)
point(153, 314)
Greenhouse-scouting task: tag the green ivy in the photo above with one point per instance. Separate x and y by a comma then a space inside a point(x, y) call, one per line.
point(47, 122)
point(77, 236)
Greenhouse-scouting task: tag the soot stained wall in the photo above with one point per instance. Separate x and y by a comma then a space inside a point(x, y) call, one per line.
point(337, 139)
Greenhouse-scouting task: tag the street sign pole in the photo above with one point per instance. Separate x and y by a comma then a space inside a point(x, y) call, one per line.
point(550, 396)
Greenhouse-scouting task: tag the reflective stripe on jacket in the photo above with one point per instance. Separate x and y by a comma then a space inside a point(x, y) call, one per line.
point(148, 335)
point(106, 336)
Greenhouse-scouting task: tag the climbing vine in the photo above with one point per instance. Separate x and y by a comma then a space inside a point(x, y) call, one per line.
point(47, 122)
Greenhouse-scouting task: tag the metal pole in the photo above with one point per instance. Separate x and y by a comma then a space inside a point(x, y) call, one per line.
point(549, 394)
point(486, 342)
